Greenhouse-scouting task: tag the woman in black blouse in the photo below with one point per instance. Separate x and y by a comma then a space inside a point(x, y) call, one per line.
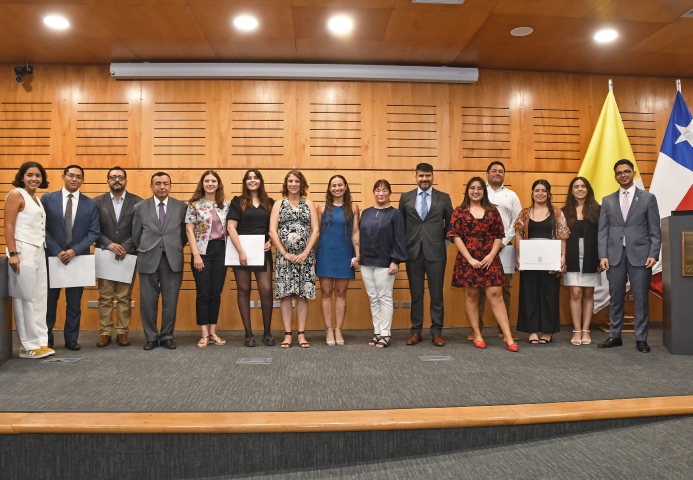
point(383, 248)
point(249, 214)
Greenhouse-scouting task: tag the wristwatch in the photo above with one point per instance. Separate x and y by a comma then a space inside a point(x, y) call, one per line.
point(12, 254)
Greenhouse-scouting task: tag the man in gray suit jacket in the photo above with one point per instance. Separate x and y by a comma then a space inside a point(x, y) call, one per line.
point(629, 243)
point(158, 232)
point(427, 214)
point(116, 212)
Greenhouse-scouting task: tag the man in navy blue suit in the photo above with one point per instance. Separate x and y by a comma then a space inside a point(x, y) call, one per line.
point(72, 226)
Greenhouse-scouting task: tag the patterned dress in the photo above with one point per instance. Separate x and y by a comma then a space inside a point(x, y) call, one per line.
point(478, 236)
point(294, 231)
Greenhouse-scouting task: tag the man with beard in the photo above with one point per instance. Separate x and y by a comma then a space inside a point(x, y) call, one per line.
point(116, 211)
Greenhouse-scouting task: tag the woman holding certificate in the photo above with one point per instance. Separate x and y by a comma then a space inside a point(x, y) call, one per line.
point(539, 312)
point(249, 214)
point(25, 237)
point(337, 253)
point(582, 259)
point(205, 225)
point(477, 229)
point(294, 230)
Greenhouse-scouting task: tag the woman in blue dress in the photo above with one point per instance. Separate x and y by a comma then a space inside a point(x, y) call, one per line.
point(337, 253)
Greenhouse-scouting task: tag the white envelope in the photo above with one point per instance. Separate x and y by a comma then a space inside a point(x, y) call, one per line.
point(108, 268)
point(540, 255)
point(80, 272)
point(21, 286)
point(507, 256)
point(253, 246)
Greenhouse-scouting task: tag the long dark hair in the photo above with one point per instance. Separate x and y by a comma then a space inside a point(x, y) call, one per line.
point(200, 190)
point(19, 177)
point(590, 210)
point(247, 199)
point(329, 204)
point(485, 202)
point(552, 217)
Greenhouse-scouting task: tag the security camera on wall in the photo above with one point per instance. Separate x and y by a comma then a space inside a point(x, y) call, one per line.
point(23, 70)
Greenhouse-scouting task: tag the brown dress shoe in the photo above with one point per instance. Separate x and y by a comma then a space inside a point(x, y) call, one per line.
point(123, 339)
point(438, 341)
point(414, 339)
point(500, 335)
point(470, 336)
point(103, 340)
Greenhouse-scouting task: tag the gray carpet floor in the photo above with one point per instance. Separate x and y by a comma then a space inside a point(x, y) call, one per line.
point(354, 376)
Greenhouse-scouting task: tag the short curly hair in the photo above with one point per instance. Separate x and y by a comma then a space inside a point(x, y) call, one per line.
point(301, 178)
point(19, 178)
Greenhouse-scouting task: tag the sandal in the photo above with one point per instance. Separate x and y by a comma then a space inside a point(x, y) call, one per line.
point(305, 343)
point(216, 339)
point(329, 332)
point(575, 341)
point(383, 342)
point(544, 341)
point(286, 344)
point(374, 341)
point(588, 341)
point(340, 339)
point(203, 342)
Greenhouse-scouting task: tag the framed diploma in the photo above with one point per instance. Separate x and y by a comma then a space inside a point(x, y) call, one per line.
point(540, 255)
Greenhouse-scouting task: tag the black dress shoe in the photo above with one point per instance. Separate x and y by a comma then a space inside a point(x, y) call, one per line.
point(150, 345)
point(611, 342)
point(642, 346)
point(72, 346)
point(168, 344)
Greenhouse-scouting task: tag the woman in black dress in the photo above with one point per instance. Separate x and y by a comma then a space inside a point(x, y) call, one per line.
point(539, 309)
point(249, 214)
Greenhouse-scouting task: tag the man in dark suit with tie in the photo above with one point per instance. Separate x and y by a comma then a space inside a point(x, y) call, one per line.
point(158, 232)
point(629, 241)
point(72, 225)
point(116, 212)
point(427, 214)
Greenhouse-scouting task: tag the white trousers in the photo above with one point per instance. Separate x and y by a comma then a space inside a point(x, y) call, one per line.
point(379, 286)
point(30, 317)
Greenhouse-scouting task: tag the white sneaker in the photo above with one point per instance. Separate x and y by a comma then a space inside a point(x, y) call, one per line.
point(46, 349)
point(37, 353)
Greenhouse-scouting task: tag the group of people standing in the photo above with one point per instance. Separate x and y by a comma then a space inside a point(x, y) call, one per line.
point(331, 240)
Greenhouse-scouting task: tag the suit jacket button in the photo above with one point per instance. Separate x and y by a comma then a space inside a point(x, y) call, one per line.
point(116, 231)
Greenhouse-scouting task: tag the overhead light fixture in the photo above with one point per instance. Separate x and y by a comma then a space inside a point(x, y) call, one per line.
point(605, 36)
point(293, 71)
point(340, 24)
point(442, 2)
point(246, 23)
point(56, 22)
point(521, 31)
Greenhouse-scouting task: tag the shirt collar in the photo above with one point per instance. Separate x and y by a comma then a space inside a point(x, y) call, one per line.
point(631, 190)
point(429, 191)
point(122, 197)
point(488, 185)
point(156, 202)
point(75, 194)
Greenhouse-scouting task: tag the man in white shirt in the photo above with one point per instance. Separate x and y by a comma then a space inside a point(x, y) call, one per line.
point(508, 204)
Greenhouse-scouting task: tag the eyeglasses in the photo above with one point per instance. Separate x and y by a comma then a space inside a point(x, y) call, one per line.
point(623, 172)
point(73, 176)
point(381, 191)
point(117, 177)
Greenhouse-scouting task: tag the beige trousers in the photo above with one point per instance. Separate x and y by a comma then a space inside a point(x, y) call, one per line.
point(121, 293)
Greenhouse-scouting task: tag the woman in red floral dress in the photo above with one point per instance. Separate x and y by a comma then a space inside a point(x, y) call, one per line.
point(477, 230)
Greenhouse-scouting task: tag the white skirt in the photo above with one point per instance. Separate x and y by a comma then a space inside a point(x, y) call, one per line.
point(579, 279)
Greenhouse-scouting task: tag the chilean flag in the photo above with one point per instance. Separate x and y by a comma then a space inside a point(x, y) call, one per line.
point(672, 182)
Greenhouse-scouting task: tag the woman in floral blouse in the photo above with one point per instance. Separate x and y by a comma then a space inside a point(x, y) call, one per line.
point(206, 228)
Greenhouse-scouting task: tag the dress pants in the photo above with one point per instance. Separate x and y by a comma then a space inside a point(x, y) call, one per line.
point(210, 283)
point(640, 278)
point(122, 293)
point(73, 312)
point(506, 299)
point(435, 274)
point(30, 317)
point(378, 284)
point(166, 282)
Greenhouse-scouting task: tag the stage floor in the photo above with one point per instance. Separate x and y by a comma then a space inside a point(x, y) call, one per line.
point(352, 377)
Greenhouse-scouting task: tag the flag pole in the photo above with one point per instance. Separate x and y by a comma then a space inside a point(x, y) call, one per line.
point(678, 84)
point(611, 85)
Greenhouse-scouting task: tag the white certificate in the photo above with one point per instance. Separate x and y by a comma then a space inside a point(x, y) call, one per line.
point(507, 256)
point(80, 272)
point(21, 285)
point(253, 246)
point(540, 255)
point(108, 268)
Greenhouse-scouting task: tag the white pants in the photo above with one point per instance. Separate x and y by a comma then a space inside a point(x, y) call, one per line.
point(379, 285)
point(30, 317)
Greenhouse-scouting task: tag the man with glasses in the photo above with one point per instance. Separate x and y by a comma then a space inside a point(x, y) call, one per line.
point(72, 226)
point(629, 241)
point(116, 212)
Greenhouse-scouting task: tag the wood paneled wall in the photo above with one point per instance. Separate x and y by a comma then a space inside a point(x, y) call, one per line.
point(538, 124)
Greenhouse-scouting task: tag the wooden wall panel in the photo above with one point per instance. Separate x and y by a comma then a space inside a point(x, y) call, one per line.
point(538, 124)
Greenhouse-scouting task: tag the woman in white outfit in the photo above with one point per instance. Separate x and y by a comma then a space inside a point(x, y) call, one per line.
point(25, 237)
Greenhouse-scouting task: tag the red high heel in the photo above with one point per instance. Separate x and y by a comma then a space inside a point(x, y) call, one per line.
point(512, 347)
point(480, 343)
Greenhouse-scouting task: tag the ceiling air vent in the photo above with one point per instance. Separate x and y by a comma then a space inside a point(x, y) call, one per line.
point(688, 14)
point(442, 2)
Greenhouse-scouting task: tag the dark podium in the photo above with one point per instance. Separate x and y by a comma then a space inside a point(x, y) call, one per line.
point(677, 288)
point(5, 314)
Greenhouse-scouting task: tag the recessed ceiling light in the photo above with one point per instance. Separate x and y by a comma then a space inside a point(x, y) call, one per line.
point(245, 23)
point(56, 22)
point(340, 24)
point(521, 31)
point(605, 36)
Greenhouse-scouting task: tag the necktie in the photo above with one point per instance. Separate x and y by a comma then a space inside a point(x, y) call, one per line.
point(424, 205)
point(68, 220)
point(625, 206)
point(162, 215)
